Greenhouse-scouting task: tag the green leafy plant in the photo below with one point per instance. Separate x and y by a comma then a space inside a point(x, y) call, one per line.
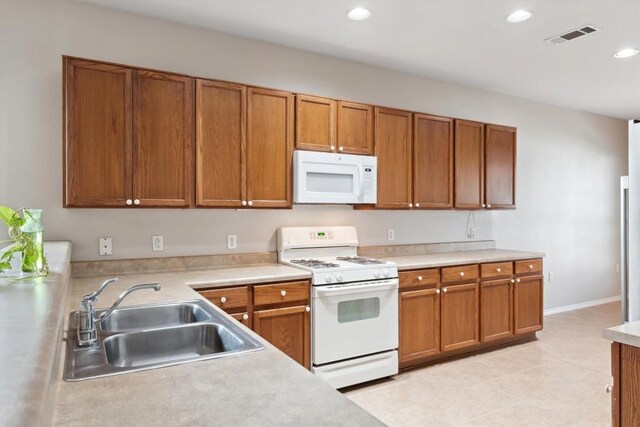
point(22, 243)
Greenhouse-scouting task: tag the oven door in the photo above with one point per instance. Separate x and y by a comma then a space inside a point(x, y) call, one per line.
point(354, 320)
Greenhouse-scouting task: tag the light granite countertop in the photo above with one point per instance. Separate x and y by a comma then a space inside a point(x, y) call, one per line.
point(443, 259)
point(260, 388)
point(629, 334)
point(31, 322)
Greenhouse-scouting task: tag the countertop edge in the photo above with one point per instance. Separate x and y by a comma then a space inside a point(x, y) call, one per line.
point(620, 335)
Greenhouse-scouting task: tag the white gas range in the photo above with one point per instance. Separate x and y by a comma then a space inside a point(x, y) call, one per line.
point(354, 304)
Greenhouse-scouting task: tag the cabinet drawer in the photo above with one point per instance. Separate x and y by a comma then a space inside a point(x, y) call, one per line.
point(414, 278)
point(227, 298)
point(529, 266)
point(459, 272)
point(281, 293)
point(496, 269)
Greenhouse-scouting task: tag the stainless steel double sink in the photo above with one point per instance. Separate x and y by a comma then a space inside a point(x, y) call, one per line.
point(151, 336)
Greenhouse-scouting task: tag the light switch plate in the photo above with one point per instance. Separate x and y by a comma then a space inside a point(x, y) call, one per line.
point(232, 241)
point(157, 244)
point(106, 246)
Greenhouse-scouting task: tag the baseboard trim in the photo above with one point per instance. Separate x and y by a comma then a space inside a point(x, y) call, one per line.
point(581, 305)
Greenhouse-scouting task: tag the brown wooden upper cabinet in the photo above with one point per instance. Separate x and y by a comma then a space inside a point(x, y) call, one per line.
point(469, 164)
point(500, 167)
point(129, 139)
point(393, 149)
point(316, 123)
point(432, 162)
point(220, 144)
point(270, 115)
point(355, 128)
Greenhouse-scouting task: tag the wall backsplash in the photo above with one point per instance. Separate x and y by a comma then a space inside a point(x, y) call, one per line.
point(568, 161)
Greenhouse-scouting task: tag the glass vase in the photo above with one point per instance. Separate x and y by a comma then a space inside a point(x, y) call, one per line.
point(32, 234)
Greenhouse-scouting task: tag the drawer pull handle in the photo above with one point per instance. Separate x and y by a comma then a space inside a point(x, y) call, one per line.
point(462, 274)
point(245, 316)
point(513, 281)
point(283, 293)
point(517, 280)
point(498, 269)
point(530, 266)
point(608, 388)
point(437, 291)
point(420, 278)
point(444, 290)
point(223, 300)
point(307, 309)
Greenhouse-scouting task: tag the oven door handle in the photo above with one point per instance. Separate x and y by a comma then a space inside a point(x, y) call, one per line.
point(329, 291)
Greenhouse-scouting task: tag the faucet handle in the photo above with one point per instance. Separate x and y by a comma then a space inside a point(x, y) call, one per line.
point(93, 296)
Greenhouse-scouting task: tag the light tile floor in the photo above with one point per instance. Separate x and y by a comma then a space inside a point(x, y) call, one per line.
point(558, 380)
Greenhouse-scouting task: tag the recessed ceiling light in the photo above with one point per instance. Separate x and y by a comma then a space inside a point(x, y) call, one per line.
point(358, 14)
point(519, 16)
point(626, 53)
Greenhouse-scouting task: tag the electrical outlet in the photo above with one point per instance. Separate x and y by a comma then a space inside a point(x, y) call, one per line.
point(106, 246)
point(391, 234)
point(232, 241)
point(157, 244)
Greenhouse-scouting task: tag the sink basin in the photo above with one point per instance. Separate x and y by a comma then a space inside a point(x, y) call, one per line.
point(152, 336)
point(143, 348)
point(155, 316)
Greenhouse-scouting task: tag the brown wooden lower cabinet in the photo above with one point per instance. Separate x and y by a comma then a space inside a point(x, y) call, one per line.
point(459, 316)
point(288, 329)
point(625, 391)
point(527, 304)
point(419, 324)
point(496, 310)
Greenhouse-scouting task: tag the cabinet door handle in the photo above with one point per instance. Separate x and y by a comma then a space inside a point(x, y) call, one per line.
point(444, 290)
point(437, 291)
point(333, 147)
point(417, 205)
point(283, 293)
point(513, 281)
point(462, 274)
point(530, 266)
point(488, 205)
point(484, 206)
point(341, 148)
point(420, 278)
point(250, 203)
point(129, 202)
point(410, 205)
point(498, 269)
point(136, 202)
point(245, 316)
point(608, 388)
point(244, 203)
point(307, 309)
point(517, 280)
point(223, 300)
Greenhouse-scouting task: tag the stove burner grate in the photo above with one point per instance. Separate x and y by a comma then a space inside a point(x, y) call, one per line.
point(314, 263)
point(361, 260)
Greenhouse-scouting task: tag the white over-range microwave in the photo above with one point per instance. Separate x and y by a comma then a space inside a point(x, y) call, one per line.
point(334, 178)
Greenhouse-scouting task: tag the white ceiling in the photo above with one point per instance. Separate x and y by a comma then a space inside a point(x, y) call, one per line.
point(467, 42)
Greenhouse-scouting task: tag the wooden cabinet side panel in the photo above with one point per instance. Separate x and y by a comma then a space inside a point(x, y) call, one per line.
point(287, 329)
point(269, 147)
point(419, 324)
point(469, 164)
point(163, 167)
point(629, 386)
point(617, 379)
point(433, 162)
point(393, 149)
point(220, 144)
point(98, 134)
point(500, 167)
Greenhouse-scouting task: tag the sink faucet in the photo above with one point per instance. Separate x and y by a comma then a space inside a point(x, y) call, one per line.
point(87, 334)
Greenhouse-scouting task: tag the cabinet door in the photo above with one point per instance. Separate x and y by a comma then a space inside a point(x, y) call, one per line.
point(393, 149)
point(527, 304)
point(97, 129)
point(459, 316)
point(220, 144)
point(269, 148)
point(496, 310)
point(288, 329)
point(355, 128)
point(500, 167)
point(316, 123)
point(469, 165)
point(419, 324)
point(163, 169)
point(433, 162)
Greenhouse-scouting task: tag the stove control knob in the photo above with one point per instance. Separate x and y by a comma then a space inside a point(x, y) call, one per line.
point(339, 277)
point(386, 273)
point(377, 274)
point(328, 278)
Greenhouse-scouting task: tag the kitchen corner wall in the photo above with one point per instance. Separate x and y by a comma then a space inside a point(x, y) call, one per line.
point(568, 161)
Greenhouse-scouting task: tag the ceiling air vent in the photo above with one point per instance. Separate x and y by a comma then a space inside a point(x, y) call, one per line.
point(573, 34)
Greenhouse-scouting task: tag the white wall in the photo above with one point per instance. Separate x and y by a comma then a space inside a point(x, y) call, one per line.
point(568, 161)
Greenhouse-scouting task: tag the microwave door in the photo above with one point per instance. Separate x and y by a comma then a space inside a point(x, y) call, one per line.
point(329, 183)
